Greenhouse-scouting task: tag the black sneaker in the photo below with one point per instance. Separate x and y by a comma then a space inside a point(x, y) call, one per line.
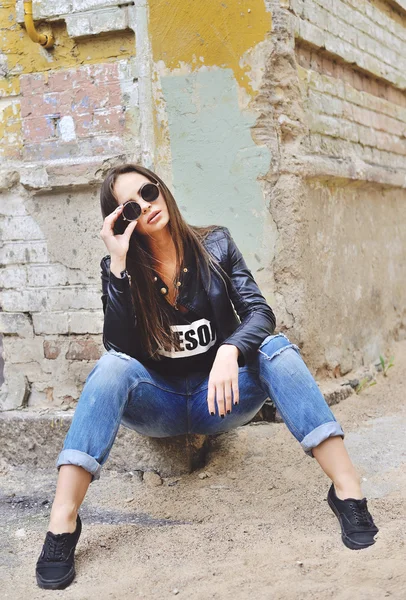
point(357, 526)
point(56, 565)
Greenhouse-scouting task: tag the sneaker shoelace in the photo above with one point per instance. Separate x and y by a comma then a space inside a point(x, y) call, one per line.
point(361, 514)
point(54, 548)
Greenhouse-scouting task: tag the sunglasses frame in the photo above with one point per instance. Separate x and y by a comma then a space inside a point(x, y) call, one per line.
point(156, 184)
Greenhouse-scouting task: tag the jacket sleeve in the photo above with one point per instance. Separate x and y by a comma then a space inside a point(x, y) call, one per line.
point(256, 316)
point(119, 329)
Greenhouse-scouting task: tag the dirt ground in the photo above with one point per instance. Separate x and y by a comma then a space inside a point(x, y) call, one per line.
point(258, 526)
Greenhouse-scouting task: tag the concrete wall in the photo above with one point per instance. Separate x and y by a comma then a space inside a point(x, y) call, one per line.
point(284, 120)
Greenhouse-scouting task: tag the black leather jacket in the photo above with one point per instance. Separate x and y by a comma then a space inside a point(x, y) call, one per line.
point(241, 315)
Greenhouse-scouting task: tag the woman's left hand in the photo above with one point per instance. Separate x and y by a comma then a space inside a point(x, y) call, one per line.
point(223, 380)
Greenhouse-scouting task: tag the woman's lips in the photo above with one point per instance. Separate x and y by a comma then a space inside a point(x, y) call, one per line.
point(154, 218)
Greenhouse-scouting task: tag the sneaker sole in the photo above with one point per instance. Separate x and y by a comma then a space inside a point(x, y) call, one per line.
point(346, 540)
point(56, 584)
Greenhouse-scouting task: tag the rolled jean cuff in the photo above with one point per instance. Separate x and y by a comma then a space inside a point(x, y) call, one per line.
point(80, 459)
point(318, 435)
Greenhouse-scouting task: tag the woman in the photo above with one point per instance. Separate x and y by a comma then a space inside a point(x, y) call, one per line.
point(190, 349)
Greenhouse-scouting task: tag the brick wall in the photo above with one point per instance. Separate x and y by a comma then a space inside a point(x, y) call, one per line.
point(67, 114)
point(367, 33)
point(350, 112)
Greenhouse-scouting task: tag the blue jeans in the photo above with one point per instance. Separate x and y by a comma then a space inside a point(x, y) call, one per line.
point(120, 390)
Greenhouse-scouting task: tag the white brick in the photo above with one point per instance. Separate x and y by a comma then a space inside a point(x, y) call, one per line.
point(23, 350)
point(76, 298)
point(325, 104)
point(82, 5)
point(23, 252)
point(329, 85)
point(78, 25)
point(16, 324)
point(367, 136)
point(54, 275)
point(95, 22)
point(46, 275)
point(50, 323)
point(113, 19)
point(86, 322)
point(24, 300)
point(13, 277)
point(20, 228)
point(310, 33)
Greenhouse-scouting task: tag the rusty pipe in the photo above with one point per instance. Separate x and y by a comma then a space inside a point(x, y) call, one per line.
point(46, 40)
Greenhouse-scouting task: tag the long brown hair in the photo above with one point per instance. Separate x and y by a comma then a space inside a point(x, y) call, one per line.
point(153, 322)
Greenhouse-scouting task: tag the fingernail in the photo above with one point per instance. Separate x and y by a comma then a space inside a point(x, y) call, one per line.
point(228, 412)
point(212, 413)
point(235, 403)
point(222, 416)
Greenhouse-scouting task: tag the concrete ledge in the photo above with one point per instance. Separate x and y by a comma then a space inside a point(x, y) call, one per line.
point(349, 169)
point(35, 440)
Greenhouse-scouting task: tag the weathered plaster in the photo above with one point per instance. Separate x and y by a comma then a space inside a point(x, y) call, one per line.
point(215, 162)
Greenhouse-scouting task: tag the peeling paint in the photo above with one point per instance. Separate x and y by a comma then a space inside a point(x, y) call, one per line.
point(213, 33)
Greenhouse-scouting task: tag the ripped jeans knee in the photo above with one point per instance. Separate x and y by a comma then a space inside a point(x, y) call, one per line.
point(273, 345)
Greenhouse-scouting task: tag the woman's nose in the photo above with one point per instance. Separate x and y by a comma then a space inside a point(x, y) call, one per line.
point(145, 206)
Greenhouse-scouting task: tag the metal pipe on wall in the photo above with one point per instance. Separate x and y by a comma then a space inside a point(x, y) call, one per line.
point(46, 40)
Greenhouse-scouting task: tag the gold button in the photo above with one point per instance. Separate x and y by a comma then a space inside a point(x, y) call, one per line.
point(163, 290)
point(185, 270)
point(179, 284)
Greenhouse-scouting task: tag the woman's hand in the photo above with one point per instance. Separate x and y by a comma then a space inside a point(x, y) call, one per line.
point(117, 245)
point(223, 380)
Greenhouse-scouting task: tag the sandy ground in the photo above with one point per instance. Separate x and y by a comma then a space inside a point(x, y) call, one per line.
point(257, 527)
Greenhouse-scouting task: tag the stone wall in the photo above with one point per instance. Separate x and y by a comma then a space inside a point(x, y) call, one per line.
point(284, 120)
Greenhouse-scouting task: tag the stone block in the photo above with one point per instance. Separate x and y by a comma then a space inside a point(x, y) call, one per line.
point(34, 439)
point(17, 350)
point(19, 228)
point(83, 350)
point(60, 299)
point(15, 390)
point(47, 275)
point(82, 5)
point(78, 25)
point(86, 322)
point(13, 277)
point(52, 349)
point(113, 19)
point(50, 323)
point(16, 324)
point(23, 252)
point(23, 300)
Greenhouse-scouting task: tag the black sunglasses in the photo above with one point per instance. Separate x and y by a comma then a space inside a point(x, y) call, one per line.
point(131, 209)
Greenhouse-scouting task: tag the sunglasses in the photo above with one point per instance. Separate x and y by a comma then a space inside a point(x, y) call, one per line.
point(131, 209)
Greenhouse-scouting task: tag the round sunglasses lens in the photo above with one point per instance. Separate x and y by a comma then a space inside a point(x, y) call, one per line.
point(150, 192)
point(132, 211)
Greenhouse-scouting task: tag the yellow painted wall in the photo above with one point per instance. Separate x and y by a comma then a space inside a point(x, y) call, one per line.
point(211, 33)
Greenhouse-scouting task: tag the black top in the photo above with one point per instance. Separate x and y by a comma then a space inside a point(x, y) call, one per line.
point(198, 345)
point(195, 332)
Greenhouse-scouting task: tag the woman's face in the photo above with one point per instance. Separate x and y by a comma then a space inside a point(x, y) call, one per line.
point(126, 188)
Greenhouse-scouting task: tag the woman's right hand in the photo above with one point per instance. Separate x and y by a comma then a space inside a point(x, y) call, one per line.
point(117, 245)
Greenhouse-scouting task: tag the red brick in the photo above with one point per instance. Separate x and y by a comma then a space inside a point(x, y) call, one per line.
point(33, 84)
point(83, 350)
point(52, 349)
point(37, 129)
